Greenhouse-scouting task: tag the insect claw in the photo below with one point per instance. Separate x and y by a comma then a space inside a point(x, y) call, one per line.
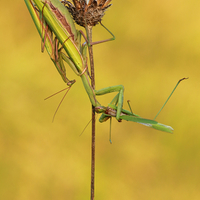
point(70, 83)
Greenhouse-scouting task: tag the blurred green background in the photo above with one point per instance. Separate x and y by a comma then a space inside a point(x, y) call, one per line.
point(157, 43)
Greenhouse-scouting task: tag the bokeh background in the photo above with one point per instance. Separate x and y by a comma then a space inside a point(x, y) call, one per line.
point(157, 43)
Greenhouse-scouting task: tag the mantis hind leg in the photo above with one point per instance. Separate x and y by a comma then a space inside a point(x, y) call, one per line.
point(118, 99)
point(97, 42)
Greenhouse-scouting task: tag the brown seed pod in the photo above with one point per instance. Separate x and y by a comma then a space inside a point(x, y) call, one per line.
point(89, 13)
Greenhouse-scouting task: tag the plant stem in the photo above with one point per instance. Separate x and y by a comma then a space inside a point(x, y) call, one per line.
point(89, 32)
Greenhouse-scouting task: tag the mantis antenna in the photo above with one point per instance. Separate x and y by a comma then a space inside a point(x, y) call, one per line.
point(68, 88)
point(169, 96)
point(165, 101)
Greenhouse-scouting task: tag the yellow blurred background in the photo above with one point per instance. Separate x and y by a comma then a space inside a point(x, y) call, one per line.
point(157, 43)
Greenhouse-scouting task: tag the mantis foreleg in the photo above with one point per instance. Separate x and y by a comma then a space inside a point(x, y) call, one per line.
point(119, 98)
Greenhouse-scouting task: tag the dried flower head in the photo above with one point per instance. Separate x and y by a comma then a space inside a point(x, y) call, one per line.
point(89, 13)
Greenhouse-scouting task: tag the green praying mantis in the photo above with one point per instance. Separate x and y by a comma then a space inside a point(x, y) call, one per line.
point(55, 26)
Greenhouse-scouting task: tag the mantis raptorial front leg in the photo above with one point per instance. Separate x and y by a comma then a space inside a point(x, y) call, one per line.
point(118, 98)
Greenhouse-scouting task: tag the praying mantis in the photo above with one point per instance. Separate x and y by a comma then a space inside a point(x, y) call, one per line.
point(55, 26)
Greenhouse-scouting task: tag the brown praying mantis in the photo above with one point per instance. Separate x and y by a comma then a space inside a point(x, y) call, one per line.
point(56, 28)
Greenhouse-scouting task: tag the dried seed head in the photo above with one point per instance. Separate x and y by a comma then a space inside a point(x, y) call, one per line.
point(89, 13)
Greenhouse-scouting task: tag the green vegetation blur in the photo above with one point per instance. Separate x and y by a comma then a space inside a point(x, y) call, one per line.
point(157, 43)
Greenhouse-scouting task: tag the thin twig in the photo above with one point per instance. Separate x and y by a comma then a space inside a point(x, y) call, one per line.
point(89, 32)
